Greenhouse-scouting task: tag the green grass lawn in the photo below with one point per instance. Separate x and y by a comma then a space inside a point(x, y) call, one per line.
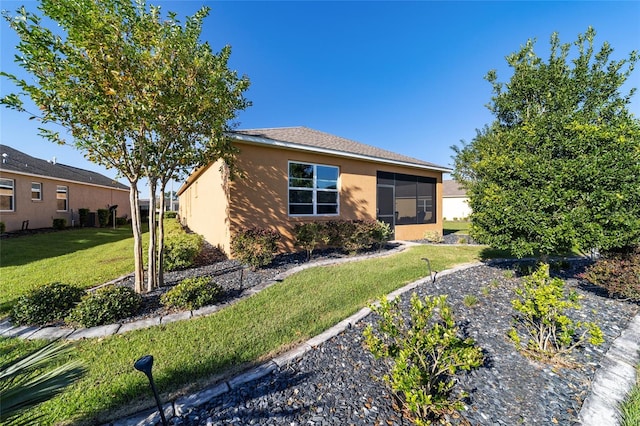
point(191, 354)
point(630, 408)
point(455, 227)
point(84, 257)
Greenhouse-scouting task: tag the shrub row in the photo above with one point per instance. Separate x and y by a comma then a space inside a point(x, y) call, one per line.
point(349, 235)
point(58, 302)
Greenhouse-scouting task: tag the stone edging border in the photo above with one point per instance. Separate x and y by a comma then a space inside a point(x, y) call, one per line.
point(63, 333)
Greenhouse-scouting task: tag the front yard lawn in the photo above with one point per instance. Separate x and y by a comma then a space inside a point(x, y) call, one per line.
point(191, 354)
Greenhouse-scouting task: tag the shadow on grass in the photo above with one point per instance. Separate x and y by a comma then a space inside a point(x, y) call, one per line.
point(26, 249)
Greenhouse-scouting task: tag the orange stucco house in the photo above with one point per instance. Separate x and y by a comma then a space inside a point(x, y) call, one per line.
point(297, 174)
point(33, 192)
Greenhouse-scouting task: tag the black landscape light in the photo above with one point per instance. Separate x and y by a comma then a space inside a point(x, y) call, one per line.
point(145, 364)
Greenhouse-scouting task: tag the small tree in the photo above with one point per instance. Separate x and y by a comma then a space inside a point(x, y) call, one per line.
point(135, 92)
point(559, 168)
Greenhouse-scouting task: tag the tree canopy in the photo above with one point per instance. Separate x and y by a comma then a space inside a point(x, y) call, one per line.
point(559, 167)
point(136, 91)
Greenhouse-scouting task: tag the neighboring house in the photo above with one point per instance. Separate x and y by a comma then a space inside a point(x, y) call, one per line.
point(296, 174)
point(33, 192)
point(455, 203)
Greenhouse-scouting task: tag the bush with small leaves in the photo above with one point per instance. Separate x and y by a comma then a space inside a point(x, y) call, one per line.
point(426, 353)
point(181, 249)
point(339, 231)
point(83, 216)
point(255, 246)
point(192, 293)
point(367, 234)
point(106, 305)
point(46, 304)
point(3, 227)
point(618, 273)
point(311, 235)
point(541, 319)
point(103, 217)
point(170, 215)
point(433, 237)
point(59, 223)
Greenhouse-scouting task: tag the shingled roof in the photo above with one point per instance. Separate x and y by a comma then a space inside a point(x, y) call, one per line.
point(19, 162)
point(313, 140)
point(451, 188)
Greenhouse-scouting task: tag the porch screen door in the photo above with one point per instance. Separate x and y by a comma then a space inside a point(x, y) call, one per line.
point(386, 206)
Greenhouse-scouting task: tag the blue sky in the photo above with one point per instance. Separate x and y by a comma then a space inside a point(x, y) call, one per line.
point(403, 76)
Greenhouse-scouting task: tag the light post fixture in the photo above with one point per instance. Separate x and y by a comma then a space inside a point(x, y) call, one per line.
point(145, 364)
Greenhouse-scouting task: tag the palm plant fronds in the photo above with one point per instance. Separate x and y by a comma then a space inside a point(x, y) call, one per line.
point(35, 378)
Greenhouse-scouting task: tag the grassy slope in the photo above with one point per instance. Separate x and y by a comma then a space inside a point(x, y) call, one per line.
point(269, 322)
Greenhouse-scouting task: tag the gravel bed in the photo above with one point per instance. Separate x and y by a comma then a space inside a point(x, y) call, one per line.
point(339, 382)
point(231, 275)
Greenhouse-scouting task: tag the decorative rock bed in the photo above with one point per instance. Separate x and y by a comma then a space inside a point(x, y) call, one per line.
point(339, 382)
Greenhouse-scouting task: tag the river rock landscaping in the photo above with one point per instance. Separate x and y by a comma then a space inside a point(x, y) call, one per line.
point(340, 383)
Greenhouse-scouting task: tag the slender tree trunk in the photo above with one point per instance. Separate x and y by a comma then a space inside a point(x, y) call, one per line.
point(152, 267)
point(138, 274)
point(160, 242)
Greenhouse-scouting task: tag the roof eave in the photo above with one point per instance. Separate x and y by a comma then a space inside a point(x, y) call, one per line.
point(327, 151)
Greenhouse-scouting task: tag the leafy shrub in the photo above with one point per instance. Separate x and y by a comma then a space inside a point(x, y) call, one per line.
point(3, 227)
point(170, 215)
point(103, 217)
point(255, 246)
point(192, 293)
point(618, 273)
point(366, 235)
point(59, 223)
point(121, 221)
point(311, 235)
point(83, 216)
point(49, 303)
point(339, 231)
point(540, 317)
point(106, 305)
point(181, 249)
point(433, 236)
point(426, 354)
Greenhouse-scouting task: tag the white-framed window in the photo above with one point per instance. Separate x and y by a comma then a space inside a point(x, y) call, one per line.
point(62, 198)
point(7, 195)
point(36, 191)
point(313, 189)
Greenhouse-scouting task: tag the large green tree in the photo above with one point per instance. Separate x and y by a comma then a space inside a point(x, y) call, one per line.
point(559, 167)
point(135, 92)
